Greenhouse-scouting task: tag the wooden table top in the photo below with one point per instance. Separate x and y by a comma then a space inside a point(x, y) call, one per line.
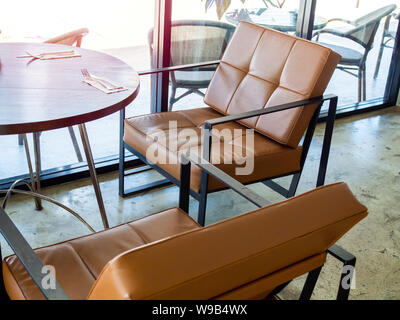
point(38, 95)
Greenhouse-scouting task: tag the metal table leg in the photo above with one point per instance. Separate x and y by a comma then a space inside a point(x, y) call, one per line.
point(35, 184)
point(93, 175)
point(38, 164)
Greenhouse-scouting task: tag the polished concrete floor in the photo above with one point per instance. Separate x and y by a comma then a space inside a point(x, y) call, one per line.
point(365, 153)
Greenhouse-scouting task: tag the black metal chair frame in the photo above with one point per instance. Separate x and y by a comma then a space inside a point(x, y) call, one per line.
point(202, 195)
point(34, 265)
point(387, 36)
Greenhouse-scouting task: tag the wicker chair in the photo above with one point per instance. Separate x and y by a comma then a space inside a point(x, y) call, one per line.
point(194, 41)
point(69, 39)
point(387, 36)
point(362, 31)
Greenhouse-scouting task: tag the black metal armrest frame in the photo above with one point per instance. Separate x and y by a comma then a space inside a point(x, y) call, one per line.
point(24, 251)
point(28, 258)
point(336, 251)
point(192, 66)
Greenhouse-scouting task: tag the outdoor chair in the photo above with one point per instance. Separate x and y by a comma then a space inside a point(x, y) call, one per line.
point(167, 255)
point(69, 39)
point(387, 36)
point(267, 81)
point(194, 41)
point(361, 32)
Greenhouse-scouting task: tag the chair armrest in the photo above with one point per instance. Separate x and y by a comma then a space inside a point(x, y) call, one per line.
point(341, 254)
point(76, 34)
point(341, 20)
point(347, 34)
point(28, 257)
point(177, 68)
point(349, 263)
point(235, 117)
point(330, 31)
point(218, 174)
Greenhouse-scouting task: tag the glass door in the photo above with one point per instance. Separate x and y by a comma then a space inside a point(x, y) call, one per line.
point(363, 32)
point(119, 28)
point(200, 34)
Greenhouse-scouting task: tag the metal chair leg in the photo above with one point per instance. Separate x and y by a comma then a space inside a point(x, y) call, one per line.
point(75, 144)
point(326, 144)
point(184, 190)
point(378, 61)
point(359, 78)
point(201, 218)
point(382, 45)
point(364, 84)
point(172, 98)
point(293, 185)
point(310, 283)
point(349, 263)
point(20, 139)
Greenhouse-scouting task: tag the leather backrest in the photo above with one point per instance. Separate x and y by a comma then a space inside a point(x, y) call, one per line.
point(261, 68)
point(211, 261)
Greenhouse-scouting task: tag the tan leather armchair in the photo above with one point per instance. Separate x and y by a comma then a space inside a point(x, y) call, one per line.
point(167, 255)
point(267, 81)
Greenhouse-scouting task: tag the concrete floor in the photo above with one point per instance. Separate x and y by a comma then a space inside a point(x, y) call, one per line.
point(365, 153)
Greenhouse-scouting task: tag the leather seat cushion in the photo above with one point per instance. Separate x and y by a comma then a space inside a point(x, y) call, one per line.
point(78, 262)
point(241, 257)
point(271, 159)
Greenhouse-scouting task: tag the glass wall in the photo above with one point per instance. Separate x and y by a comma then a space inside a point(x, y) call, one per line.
point(363, 33)
point(198, 35)
point(119, 28)
point(122, 28)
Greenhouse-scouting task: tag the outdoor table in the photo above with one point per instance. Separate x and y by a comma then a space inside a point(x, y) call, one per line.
point(39, 95)
point(278, 19)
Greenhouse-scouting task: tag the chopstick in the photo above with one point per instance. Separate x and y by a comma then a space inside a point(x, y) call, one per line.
point(30, 55)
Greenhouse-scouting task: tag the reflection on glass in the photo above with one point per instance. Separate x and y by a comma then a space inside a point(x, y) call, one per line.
point(198, 36)
point(195, 42)
point(119, 29)
point(359, 32)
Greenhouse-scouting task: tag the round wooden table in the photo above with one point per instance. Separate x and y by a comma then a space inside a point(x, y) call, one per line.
point(278, 19)
point(38, 95)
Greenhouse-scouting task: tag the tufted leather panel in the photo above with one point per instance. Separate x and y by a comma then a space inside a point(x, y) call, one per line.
point(270, 246)
point(262, 68)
